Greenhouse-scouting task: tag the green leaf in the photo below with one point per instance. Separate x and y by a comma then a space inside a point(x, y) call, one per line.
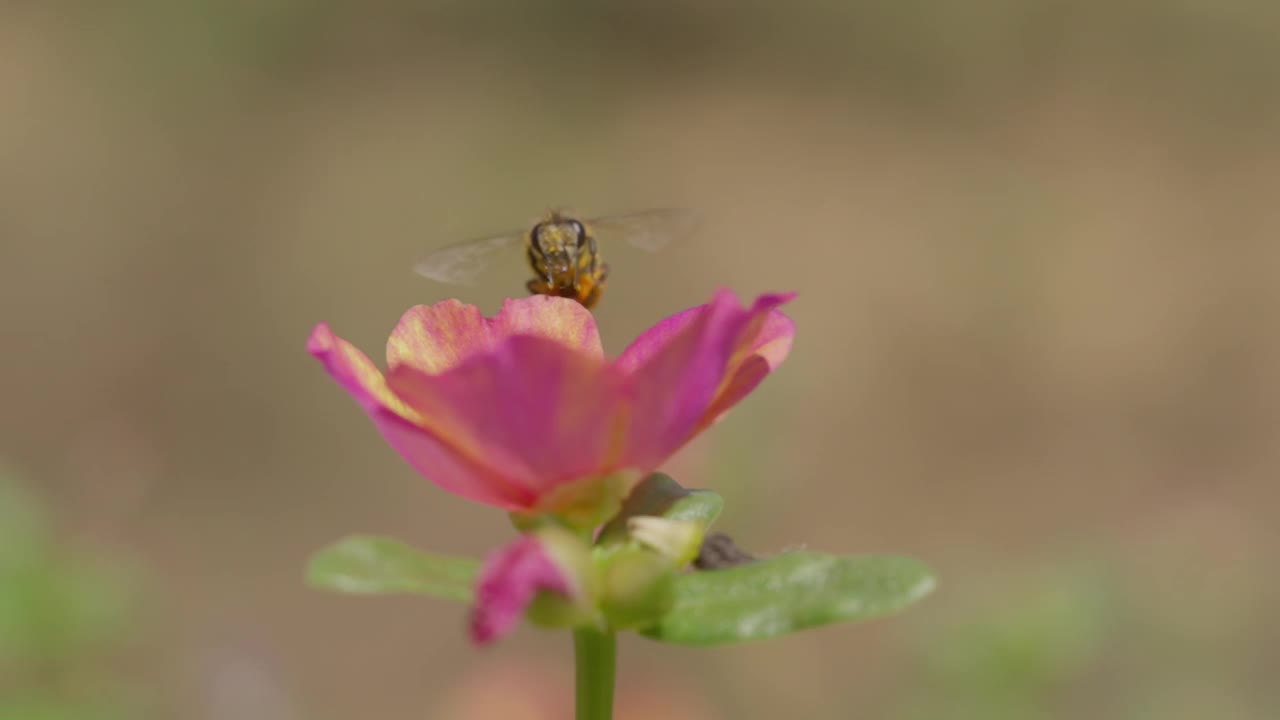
point(366, 565)
point(660, 496)
point(787, 593)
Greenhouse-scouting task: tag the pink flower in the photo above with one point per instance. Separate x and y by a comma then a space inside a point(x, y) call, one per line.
point(510, 579)
point(506, 410)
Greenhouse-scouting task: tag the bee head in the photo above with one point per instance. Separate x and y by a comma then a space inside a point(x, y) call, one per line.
point(559, 238)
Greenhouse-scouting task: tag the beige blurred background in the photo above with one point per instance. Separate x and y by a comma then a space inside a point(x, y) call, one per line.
point(1036, 251)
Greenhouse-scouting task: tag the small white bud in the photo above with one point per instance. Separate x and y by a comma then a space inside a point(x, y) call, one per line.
point(678, 540)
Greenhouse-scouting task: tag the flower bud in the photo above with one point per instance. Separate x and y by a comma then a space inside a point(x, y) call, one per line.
point(547, 575)
point(572, 556)
point(678, 540)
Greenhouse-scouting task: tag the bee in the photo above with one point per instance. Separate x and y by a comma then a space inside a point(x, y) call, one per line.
point(562, 251)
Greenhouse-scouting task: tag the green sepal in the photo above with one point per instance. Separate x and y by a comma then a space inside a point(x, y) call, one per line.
point(369, 565)
point(637, 586)
point(551, 610)
point(790, 592)
point(660, 496)
point(573, 556)
point(581, 505)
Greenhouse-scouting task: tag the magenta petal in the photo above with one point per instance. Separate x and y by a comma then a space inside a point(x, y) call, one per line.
point(508, 582)
point(352, 370)
point(543, 413)
point(658, 337)
point(678, 369)
point(762, 348)
point(419, 440)
point(561, 319)
point(436, 338)
point(675, 368)
point(448, 468)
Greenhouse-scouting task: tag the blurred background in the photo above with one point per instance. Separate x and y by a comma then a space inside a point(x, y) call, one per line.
point(1036, 251)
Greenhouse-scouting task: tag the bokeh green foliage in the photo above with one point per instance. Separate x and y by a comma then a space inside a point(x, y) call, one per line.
point(1077, 640)
point(1012, 655)
point(62, 612)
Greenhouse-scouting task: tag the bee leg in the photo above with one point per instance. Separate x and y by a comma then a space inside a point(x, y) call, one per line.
point(542, 283)
point(591, 298)
point(597, 286)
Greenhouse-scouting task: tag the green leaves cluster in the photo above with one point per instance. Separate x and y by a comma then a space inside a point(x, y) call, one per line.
point(774, 596)
point(62, 612)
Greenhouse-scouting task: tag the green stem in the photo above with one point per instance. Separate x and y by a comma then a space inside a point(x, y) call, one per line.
point(595, 657)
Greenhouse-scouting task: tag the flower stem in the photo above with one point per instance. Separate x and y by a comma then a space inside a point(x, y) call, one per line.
point(595, 657)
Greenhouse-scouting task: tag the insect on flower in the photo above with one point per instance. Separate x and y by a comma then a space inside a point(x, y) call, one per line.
point(562, 251)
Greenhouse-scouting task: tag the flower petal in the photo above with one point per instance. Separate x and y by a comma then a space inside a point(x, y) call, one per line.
point(542, 412)
point(355, 372)
point(445, 465)
point(434, 338)
point(675, 368)
point(508, 582)
point(437, 459)
point(683, 366)
point(561, 319)
point(762, 347)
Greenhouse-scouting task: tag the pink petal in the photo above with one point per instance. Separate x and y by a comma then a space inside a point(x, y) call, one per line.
point(434, 338)
point(450, 469)
point(683, 366)
point(544, 414)
point(508, 582)
point(763, 347)
point(355, 372)
point(431, 453)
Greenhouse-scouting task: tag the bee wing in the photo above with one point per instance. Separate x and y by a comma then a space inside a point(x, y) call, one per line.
point(650, 230)
point(462, 263)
